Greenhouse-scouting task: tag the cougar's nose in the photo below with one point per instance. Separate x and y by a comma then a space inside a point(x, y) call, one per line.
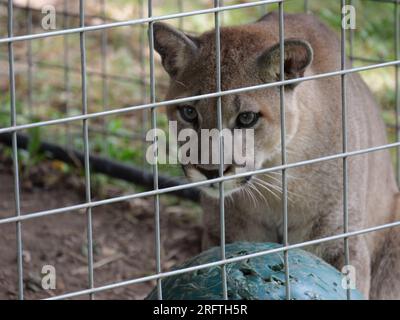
point(211, 173)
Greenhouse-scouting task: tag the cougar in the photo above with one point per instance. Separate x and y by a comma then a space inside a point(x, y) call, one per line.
point(250, 56)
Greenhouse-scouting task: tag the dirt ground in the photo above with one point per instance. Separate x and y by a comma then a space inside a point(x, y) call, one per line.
point(123, 236)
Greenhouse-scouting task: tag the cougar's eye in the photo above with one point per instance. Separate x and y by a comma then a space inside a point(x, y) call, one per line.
point(247, 119)
point(188, 113)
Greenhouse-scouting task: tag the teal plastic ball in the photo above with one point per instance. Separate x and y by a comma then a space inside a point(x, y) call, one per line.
point(260, 278)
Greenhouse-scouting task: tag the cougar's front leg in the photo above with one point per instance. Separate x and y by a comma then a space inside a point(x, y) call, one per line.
point(240, 224)
point(386, 269)
point(359, 258)
point(211, 223)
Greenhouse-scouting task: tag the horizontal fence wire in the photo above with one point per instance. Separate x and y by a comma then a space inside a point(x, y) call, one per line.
point(227, 261)
point(63, 12)
point(136, 21)
point(100, 74)
point(98, 203)
point(195, 98)
point(153, 105)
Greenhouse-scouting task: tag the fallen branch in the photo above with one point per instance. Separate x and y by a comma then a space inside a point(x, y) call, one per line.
point(105, 166)
point(98, 264)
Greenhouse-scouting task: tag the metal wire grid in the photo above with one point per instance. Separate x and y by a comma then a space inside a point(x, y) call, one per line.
point(65, 15)
point(155, 167)
point(15, 153)
point(14, 128)
point(344, 142)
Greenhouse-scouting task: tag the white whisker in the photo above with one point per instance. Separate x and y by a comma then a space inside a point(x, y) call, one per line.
point(252, 196)
point(266, 187)
point(276, 188)
point(259, 192)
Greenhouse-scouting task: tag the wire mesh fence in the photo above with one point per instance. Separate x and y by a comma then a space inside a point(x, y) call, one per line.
point(84, 123)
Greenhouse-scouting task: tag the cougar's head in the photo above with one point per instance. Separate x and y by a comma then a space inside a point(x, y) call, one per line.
point(251, 120)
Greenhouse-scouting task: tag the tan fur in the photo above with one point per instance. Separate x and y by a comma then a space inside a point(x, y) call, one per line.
point(313, 121)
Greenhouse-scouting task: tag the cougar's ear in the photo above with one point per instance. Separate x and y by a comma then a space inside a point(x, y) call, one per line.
point(175, 48)
point(298, 57)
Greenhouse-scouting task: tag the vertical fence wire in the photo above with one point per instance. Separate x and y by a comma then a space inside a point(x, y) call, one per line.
point(344, 139)
point(155, 148)
point(397, 82)
point(143, 85)
point(264, 9)
point(29, 59)
point(82, 42)
point(104, 78)
point(222, 13)
point(217, 23)
point(15, 151)
point(351, 41)
point(283, 147)
point(180, 9)
point(306, 6)
point(67, 85)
